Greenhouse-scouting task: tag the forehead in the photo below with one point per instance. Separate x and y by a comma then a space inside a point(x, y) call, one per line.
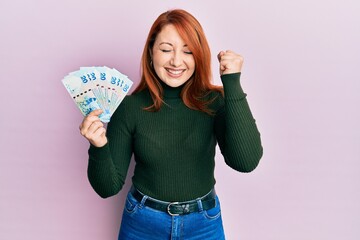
point(169, 34)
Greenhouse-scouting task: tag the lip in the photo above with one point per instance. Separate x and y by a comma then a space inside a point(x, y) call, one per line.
point(175, 73)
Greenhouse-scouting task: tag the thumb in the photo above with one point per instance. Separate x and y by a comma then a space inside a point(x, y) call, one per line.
point(96, 112)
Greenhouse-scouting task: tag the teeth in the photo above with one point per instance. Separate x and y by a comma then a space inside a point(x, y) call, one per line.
point(176, 72)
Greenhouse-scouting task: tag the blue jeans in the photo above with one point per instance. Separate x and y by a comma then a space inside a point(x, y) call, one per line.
point(140, 222)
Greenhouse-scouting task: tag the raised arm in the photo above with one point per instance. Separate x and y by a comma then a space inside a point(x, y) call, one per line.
point(236, 131)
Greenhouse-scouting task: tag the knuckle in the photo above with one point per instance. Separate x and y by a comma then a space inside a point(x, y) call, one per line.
point(88, 136)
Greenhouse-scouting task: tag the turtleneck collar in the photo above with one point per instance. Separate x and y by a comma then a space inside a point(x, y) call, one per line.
point(171, 92)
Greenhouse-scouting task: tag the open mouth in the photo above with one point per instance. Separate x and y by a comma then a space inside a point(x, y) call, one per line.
point(175, 72)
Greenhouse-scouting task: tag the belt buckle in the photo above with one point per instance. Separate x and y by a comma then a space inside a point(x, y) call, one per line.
point(168, 209)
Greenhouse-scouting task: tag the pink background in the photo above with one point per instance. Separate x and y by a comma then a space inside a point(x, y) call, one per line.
point(301, 74)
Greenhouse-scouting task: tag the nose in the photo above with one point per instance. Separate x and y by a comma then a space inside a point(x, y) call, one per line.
point(176, 59)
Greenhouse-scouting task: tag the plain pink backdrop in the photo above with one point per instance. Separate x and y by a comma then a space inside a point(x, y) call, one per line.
point(301, 74)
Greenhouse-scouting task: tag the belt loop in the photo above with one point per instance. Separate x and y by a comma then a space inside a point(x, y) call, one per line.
point(200, 206)
point(145, 197)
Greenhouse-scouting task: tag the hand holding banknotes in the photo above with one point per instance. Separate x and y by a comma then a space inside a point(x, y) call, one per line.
point(97, 91)
point(93, 129)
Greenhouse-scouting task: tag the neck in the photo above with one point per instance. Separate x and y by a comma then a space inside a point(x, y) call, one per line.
point(171, 92)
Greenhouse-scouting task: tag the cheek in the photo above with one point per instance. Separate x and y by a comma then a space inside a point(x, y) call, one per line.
point(192, 68)
point(157, 63)
point(158, 69)
point(191, 63)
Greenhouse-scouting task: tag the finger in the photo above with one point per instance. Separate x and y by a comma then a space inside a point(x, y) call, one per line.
point(237, 60)
point(87, 122)
point(232, 66)
point(225, 62)
point(219, 56)
point(95, 112)
point(98, 138)
point(227, 56)
point(90, 134)
point(100, 132)
point(91, 115)
point(226, 53)
point(230, 56)
point(89, 119)
point(229, 52)
point(94, 126)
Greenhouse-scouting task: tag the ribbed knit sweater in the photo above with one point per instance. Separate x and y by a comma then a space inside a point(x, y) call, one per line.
point(174, 148)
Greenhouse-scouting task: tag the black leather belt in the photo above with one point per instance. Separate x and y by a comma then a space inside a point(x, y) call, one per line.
point(177, 208)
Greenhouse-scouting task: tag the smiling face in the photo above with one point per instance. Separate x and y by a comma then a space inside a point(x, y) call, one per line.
point(172, 60)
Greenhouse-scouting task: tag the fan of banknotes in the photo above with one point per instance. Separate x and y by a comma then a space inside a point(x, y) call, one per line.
point(97, 88)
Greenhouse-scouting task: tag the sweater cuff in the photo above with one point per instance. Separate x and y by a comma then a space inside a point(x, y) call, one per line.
point(99, 153)
point(232, 87)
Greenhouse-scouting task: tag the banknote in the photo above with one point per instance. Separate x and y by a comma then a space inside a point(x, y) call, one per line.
point(97, 88)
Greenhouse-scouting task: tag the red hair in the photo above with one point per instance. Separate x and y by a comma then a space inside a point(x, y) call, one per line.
point(199, 85)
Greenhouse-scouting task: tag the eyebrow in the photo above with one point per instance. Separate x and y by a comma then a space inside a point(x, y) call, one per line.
point(170, 44)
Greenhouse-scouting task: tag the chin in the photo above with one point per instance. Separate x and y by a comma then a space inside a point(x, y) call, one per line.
point(173, 83)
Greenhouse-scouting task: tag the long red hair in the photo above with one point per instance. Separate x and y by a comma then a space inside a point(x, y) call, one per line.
point(199, 85)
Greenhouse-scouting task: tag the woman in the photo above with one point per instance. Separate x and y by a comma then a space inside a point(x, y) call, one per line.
point(172, 123)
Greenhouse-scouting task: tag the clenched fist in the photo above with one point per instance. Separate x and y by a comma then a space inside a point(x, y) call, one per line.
point(230, 62)
point(93, 129)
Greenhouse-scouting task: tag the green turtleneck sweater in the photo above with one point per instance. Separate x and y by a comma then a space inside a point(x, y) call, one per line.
point(174, 148)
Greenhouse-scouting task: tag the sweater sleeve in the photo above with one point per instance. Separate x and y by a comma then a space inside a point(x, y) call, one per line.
point(235, 128)
point(108, 165)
